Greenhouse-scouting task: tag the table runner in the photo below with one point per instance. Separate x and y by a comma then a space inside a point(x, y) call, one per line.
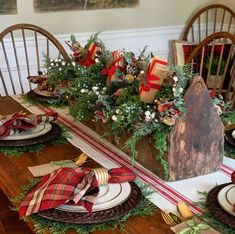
point(167, 194)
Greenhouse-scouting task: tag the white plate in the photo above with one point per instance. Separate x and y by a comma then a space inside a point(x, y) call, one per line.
point(233, 134)
point(110, 195)
point(39, 130)
point(226, 198)
point(43, 92)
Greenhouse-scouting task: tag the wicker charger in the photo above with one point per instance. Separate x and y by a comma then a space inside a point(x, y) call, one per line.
point(216, 210)
point(34, 96)
point(98, 216)
point(228, 137)
point(52, 134)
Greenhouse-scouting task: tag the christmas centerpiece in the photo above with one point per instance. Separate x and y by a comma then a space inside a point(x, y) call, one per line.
point(161, 116)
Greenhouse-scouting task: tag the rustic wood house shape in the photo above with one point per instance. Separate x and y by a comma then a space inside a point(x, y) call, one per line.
point(196, 142)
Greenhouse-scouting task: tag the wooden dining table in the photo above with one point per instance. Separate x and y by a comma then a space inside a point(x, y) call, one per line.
point(14, 174)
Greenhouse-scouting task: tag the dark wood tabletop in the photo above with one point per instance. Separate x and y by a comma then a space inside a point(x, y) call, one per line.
point(14, 174)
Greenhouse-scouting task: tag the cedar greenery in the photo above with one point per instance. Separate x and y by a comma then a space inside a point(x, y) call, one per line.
point(17, 151)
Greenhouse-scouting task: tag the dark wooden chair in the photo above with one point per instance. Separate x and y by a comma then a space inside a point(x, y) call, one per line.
point(217, 47)
point(210, 19)
point(23, 49)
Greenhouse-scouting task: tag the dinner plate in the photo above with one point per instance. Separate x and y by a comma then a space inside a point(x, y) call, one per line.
point(39, 130)
point(109, 196)
point(43, 92)
point(226, 198)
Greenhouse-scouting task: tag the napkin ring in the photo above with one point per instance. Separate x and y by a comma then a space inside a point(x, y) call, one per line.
point(101, 175)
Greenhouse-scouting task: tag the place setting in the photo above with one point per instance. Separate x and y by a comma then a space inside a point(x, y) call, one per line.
point(43, 92)
point(82, 195)
point(220, 202)
point(21, 129)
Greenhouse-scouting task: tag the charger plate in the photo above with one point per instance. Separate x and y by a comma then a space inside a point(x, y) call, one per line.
point(110, 195)
point(54, 132)
point(34, 96)
point(215, 209)
point(99, 216)
point(226, 198)
point(39, 130)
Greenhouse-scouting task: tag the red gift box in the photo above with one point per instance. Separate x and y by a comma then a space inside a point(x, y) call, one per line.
point(156, 73)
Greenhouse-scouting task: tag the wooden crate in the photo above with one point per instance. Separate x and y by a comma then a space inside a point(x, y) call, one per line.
point(196, 142)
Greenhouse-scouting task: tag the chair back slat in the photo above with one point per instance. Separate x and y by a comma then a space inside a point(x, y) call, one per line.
point(21, 54)
point(3, 83)
point(207, 16)
point(215, 18)
point(193, 39)
point(199, 28)
point(222, 21)
point(226, 68)
point(17, 62)
point(26, 56)
point(36, 49)
point(202, 60)
point(8, 67)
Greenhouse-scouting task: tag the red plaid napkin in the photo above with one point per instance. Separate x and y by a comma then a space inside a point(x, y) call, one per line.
point(67, 185)
point(11, 124)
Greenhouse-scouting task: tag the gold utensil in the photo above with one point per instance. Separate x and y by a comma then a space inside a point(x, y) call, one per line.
point(167, 218)
point(80, 159)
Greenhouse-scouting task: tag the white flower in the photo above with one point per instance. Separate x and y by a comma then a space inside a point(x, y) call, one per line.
point(56, 60)
point(117, 111)
point(60, 69)
point(104, 89)
point(97, 60)
point(174, 89)
point(59, 60)
point(63, 63)
point(51, 60)
point(114, 118)
point(57, 64)
point(95, 88)
point(147, 118)
point(97, 93)
point(147, 113)
point(142, 72)
point(152, 115)
point(83, 90)
point(74, 64)
point(181, 90)
point(175, 78)
point(52, 64)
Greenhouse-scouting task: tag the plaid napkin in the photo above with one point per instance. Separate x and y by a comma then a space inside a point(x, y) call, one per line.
point(71, 186)
point(15, 123)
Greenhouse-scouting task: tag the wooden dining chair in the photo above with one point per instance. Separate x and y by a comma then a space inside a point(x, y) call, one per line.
point(23, 50)
point(214, 60)
point(210, 19)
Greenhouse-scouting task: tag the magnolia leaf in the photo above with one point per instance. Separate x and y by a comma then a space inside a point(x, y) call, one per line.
point(191, 223)
point(203, 226)
point(128, 56)
point(73, 38)
point(185, 231)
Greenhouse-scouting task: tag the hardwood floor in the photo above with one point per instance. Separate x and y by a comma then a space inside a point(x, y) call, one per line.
point(9, 221)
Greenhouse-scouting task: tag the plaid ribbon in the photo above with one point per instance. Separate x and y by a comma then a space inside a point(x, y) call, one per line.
point(11, 124)
point(71, 186)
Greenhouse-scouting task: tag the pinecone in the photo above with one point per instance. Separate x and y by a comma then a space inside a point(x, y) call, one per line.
point(131, 69)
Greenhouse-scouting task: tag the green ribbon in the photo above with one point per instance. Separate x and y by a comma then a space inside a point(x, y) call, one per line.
point(193, 228)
